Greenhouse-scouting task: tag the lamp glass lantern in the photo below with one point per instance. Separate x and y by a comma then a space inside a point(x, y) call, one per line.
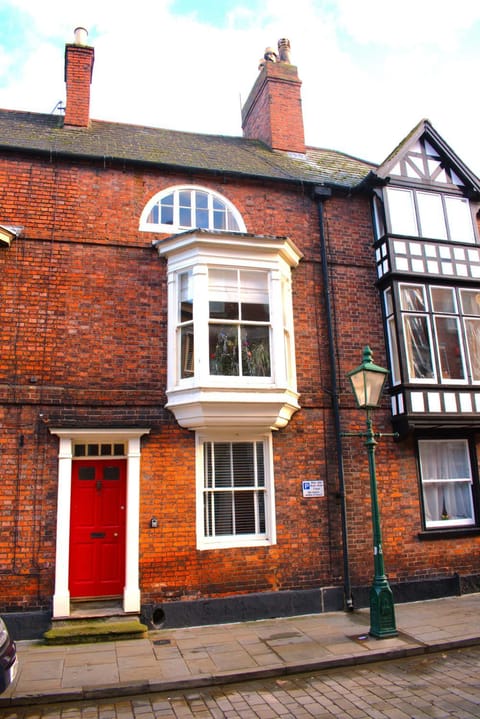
point(367, 381)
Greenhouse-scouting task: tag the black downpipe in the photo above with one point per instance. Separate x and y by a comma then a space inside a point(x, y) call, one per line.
point(321, 194)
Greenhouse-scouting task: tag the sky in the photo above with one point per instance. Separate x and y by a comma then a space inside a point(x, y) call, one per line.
point(370, 69)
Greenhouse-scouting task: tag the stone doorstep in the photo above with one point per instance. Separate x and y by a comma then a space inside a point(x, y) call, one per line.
point(102, 629)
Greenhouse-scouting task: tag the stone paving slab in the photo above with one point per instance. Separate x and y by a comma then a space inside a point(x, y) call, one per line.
point(200, 656)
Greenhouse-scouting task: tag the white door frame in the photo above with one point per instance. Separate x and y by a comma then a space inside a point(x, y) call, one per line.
point(131, 437)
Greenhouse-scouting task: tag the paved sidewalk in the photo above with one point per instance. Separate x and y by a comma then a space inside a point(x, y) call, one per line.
point(180, 658)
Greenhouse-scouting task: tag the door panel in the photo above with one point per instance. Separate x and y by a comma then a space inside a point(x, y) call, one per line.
point(97, 528)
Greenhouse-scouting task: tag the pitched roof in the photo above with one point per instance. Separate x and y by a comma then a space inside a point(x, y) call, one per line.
point(108, 141)
point(425, 129)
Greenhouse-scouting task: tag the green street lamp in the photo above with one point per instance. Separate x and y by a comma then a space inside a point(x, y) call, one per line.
point(367, 382)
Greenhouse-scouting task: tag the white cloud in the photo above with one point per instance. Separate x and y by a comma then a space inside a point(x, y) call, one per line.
point(370, 70)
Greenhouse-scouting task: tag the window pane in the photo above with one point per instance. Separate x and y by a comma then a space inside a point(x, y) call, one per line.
point(219, 220)
point(223, 513)
point(470, 302)
point(230, 506)
point(417, 345)
point(111, 473)
point(186, 297)
point(254, 287)
point(244, 512)
point(261, 512)
point(201, 219)
point(201, 200)
point(222, 464)
point(153, 216)
point(223, 350)
point(402, 212)
point(449, 352)
point(432, 220)
point(185, 208)
point(260, 465)
point(446, 477)
point(208, 464)
point(412, 298)
point(167, 210)
point(185, 217)
point(393, 345)
point(224, 310)
point(243, 464)
point(445, 502)
point(388, 302)
point(186, 352)
point(255, 351)
point(472, 331)
point(255, 312)
point(223, 285)
point(232, 223)
point(459, 219)
point(443, 299)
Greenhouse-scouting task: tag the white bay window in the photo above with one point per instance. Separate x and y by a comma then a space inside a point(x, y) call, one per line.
point(231, 358)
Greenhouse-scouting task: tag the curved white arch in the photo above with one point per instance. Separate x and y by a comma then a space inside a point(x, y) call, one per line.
point(185, 207)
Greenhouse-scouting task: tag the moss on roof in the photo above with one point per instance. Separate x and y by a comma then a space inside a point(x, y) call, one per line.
point(108, 141)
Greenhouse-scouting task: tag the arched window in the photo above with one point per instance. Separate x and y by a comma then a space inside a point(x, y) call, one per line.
point(185, 207)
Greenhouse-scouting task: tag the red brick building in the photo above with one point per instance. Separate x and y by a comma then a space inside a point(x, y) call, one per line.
point(178, 316)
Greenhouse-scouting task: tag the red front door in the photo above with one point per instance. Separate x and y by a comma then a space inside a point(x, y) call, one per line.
point(97, 528)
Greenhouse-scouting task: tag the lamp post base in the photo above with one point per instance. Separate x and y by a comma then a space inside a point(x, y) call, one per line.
point(382, 611)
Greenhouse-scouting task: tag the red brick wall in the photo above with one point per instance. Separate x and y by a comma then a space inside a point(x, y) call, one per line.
point(83, 341)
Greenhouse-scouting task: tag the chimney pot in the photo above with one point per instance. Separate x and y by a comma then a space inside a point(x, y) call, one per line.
point(80, 35)
point(79, 58)
point(273, 110)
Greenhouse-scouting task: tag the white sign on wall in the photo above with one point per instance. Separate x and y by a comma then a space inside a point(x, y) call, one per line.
point(313, 488)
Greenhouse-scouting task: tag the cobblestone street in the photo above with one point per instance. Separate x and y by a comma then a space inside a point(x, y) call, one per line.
point(435, 686)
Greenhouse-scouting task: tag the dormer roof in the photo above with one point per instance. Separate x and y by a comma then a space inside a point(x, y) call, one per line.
point(423, 157)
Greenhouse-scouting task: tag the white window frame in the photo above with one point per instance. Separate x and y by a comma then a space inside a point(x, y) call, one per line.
point(201, 399)
point(430, 315)
point(240, 540)
point(404, 210)
point(446, 522)
point(176, 226)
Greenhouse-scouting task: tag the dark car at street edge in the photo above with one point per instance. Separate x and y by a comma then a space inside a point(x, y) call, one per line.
point(8, 658)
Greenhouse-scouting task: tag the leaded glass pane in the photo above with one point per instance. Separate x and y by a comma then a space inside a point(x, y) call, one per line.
point(443, 299)
point(470, 302)
point(472, 331)
point(432, 220)
point(402, 212)
point(459, 219)
point(449, 350)
point(417, 345)
point(412, 298)
point(255, 351)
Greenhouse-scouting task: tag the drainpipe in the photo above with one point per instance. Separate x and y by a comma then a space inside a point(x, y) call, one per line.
point(322, 194)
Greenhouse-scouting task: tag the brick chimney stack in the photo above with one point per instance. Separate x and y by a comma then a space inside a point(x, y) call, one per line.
point(273, 110)
point(78, 75)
